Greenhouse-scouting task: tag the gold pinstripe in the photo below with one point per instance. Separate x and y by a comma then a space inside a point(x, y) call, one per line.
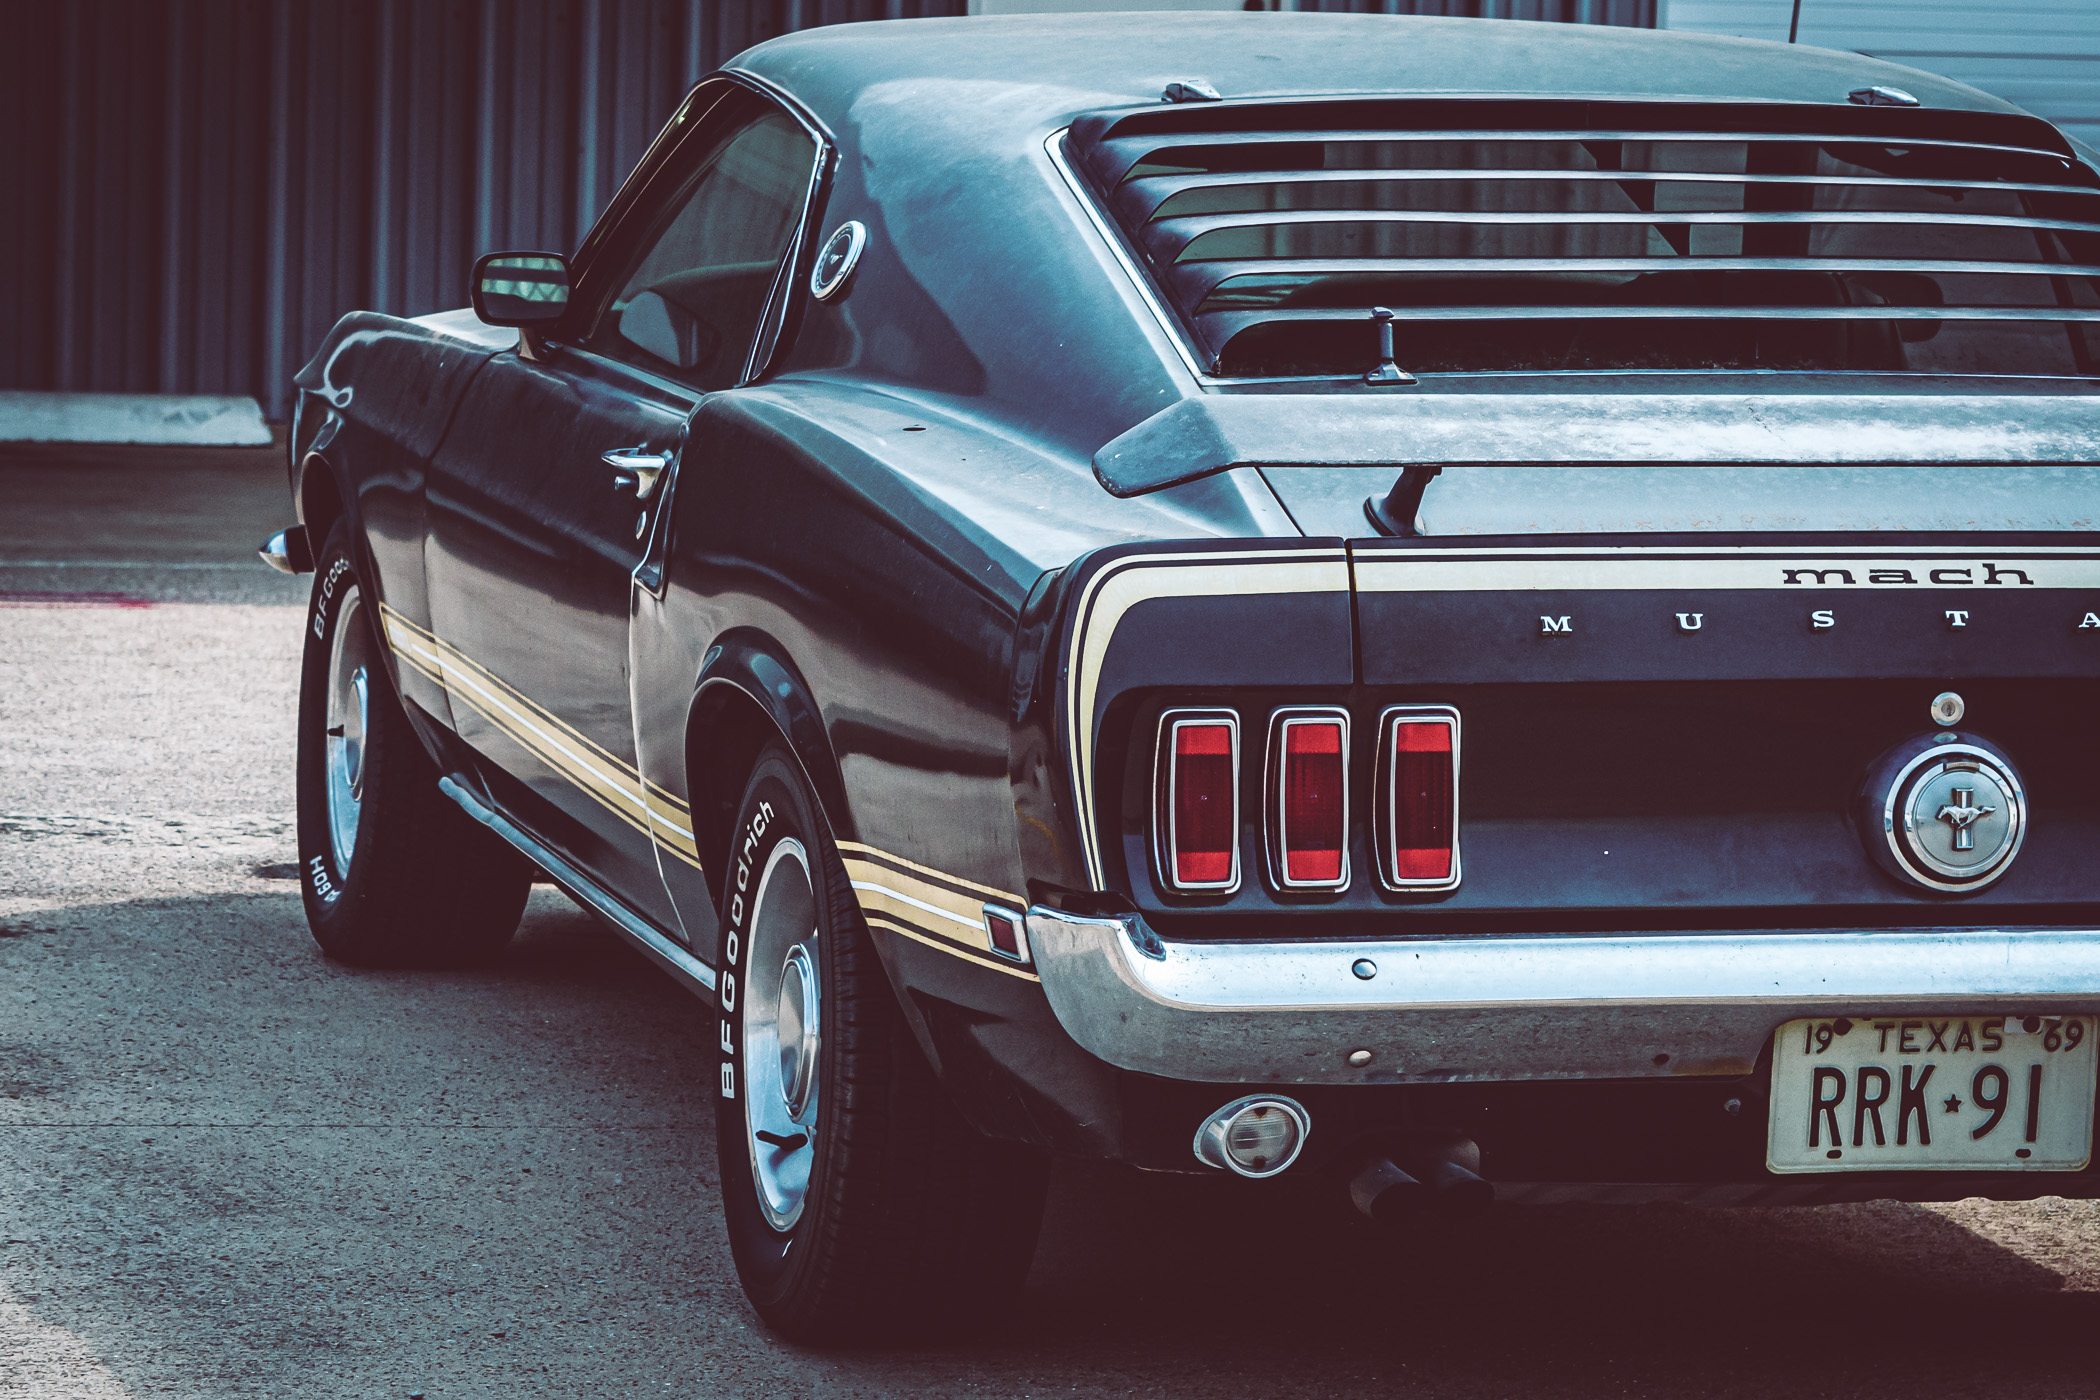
point(1121, 586)
point(905, 930)
point(915, 901)
point(612, 782)
point(926, 905)
point(968, 892)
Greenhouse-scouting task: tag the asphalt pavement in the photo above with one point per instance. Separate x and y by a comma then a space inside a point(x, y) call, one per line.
point(231, 1168)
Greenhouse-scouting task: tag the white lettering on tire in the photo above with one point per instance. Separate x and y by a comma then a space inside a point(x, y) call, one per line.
point(325, 889)
point(326, 591)
point(732, 944)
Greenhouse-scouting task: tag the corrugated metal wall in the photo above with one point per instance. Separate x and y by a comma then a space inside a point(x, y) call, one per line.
point(196, 189)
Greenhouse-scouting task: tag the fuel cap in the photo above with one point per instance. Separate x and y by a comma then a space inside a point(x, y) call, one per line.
point(1945, 811)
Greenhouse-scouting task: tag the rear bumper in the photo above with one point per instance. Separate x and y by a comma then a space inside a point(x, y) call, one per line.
point(1503, 1009)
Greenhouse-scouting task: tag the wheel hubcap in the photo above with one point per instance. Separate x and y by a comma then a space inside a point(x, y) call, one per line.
point(798, 1029)
point(349, 712)
point(782, 1021)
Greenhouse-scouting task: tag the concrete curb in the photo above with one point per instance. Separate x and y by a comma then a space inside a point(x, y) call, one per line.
point(186, 420)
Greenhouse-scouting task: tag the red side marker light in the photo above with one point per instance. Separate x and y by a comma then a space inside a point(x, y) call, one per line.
point(1008, 931)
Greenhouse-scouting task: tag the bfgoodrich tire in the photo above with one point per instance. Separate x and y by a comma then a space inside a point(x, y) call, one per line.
point(393, 872)
point(859, 1204)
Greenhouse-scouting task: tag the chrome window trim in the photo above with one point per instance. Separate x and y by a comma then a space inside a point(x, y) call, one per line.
point(766, 336)
point(1163, 841)
point(1275, 836)
point(780, 301)
point(1340, 135)
point(665, 140)
point(1386, 776)
point(1382, 175)
point(766, 341)
point(1170, 325)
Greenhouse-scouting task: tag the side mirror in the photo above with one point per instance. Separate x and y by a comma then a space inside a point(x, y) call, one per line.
point(521, 289)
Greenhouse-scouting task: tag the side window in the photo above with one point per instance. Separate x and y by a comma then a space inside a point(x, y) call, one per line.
point(692, 303)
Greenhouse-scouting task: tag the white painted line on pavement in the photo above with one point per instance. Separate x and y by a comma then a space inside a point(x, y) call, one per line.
point(182, 420)
point(43, 1359)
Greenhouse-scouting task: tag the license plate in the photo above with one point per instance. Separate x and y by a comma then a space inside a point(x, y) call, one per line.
point(1932, 1093)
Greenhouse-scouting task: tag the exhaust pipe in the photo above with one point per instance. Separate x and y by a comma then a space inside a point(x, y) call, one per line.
point(1385, 1193)
point(1440, 1176)
point(1457, 1189)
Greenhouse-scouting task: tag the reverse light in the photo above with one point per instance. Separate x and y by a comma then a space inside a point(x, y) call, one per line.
point(1257, 1136)
point(1417, 817)
point(1196, 802)
point(1308, 799)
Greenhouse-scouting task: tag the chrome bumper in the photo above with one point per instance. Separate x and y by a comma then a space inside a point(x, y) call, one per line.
point(1571, 1007)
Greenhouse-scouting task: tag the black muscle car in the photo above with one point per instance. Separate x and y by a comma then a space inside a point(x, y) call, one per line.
point(1460, 609)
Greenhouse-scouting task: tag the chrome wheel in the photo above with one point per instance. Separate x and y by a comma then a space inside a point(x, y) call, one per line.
point(349, 710)
point(782, 1021)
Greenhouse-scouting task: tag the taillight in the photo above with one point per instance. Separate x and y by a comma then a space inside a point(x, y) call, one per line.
point(1196, 806)
point(1308, 799)
point(1417, 825)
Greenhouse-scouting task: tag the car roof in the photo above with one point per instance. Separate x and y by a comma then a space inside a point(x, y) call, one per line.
point(1040, 71)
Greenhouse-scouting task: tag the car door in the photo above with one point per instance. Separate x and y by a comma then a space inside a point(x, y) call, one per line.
point(544, 495)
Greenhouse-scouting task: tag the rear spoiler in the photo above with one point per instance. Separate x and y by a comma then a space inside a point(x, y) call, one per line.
point(1199, 436)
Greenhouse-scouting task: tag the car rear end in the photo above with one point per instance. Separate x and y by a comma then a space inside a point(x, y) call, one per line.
point(1665, 767)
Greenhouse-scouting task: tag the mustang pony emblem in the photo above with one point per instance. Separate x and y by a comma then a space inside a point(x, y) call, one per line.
point(1961, 814)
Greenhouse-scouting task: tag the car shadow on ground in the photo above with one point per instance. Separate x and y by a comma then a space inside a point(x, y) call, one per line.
point(1141, 1260)
point(1142, 1284)
point(1832, 1290)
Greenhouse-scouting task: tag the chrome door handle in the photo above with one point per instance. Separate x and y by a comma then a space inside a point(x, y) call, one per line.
point(637, 467)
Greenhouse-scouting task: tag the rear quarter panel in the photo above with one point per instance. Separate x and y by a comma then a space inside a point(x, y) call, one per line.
point(886, 549)
point(891, 559)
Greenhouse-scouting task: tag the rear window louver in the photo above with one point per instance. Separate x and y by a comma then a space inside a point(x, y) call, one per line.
point(1586, 235)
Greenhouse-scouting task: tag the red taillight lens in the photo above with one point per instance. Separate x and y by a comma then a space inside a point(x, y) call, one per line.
point(1314, 801)
point(1422, 820)
point(1198, 818)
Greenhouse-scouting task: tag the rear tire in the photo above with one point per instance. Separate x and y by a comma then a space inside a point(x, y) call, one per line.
point(393, 872)
point(890, 1217)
